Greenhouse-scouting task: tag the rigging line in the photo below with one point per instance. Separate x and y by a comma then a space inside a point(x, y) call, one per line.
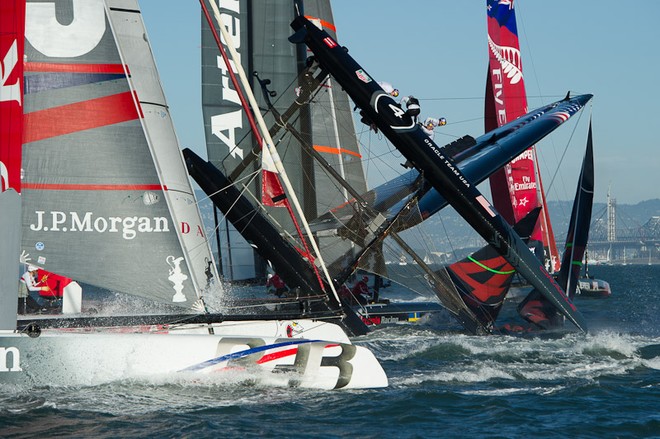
point(457, 98)
point(449, 240)
point(259, 207)
point(297, 79)
point(481, 98)
point(564, 153)
point(235, 183)
point(216, 228)
point(244, 190)
point(382, 158)
point(267, 143)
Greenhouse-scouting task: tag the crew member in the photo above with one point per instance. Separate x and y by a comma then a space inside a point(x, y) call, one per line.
point(430, 123)
point(28, 283)
point(275, 285)
point(412, 107)
point(389, 89)
point(361, 291)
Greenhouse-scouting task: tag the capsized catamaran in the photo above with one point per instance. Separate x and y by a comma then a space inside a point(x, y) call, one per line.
point(327, 157)
point(107, 201)
point(438, 169)
point(404, 202)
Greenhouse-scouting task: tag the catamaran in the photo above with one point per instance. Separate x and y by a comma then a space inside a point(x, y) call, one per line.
point(94, 182)
point(438, 168)
point(345, 232)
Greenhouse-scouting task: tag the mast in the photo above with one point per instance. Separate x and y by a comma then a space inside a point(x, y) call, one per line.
point(12, 39)
point(269, 148)
point(429, 159)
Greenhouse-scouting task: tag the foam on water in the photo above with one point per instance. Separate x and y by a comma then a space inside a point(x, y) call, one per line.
point(535, 363)
point(470, 374)
point(563, 384)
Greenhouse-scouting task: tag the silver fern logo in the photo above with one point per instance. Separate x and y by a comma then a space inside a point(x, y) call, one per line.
point(509, 59)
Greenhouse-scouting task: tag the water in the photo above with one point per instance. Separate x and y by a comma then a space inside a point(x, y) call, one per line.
point(602, 384)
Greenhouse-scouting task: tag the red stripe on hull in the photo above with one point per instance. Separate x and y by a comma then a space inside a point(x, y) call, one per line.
point(277, 355)
point(67, 119)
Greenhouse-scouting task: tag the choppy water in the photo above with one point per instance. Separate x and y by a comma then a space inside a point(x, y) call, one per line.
point(602, 384)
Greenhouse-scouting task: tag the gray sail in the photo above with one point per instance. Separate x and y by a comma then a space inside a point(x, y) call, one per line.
point(261, 30)
point(10, 236)
point(333, 128)
point(227, 133)
point(103, 201)
point(159, 129)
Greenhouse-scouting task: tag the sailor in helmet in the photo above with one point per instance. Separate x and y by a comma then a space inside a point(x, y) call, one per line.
point(411, 104)
point(430, 123)
point(389, 89)
point(275, 285)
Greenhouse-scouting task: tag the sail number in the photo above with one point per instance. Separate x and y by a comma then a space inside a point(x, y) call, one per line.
point(309, 357)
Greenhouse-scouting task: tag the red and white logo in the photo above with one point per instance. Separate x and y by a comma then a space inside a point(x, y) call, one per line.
point(362, 76)
point(330, 42)
point(9, 92)
point(560, 116)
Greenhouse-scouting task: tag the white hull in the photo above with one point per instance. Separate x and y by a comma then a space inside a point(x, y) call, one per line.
point(57, 357)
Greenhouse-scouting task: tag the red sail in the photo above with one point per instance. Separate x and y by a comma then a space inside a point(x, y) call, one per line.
point(516, 188)
point(12, 24)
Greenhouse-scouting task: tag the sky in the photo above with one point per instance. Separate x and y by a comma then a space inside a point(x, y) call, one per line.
point(437, 51)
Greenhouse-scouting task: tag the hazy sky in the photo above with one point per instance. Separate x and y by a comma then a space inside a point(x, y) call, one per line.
point(437, 51)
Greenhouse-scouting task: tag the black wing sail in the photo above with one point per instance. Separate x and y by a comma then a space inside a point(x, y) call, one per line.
point(578, 232)
point(435, 163)
point(535, 308)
